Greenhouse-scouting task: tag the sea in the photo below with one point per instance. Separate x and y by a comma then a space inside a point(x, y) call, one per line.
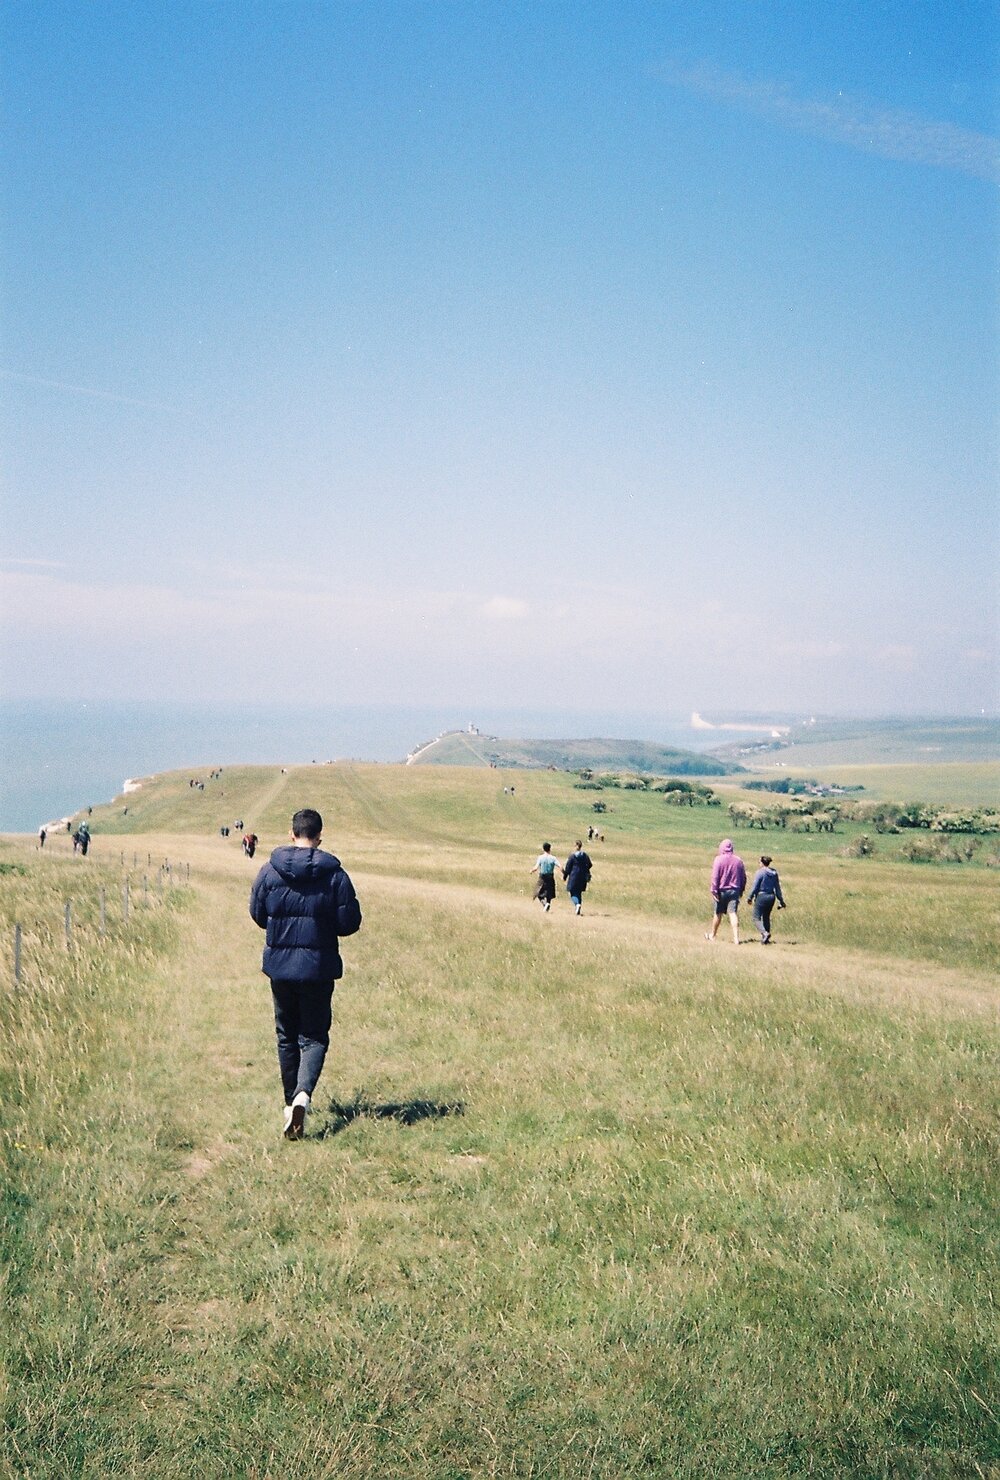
point(59, 756)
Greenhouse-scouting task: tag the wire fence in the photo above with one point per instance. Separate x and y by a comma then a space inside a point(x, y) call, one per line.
point(94, 910)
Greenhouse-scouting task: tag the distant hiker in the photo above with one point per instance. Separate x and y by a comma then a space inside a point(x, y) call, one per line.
point(729, 879)
point(250, 844)
point(42, 835)
point(590, 834)
point(545, 867)
point(764, 891)
point(576, 872)
point(305, 901)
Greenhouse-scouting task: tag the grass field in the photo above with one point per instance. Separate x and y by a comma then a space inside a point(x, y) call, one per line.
point(662, 1207)
point(949, 783)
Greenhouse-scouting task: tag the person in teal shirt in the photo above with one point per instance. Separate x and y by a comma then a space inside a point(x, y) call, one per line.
point(545, 867)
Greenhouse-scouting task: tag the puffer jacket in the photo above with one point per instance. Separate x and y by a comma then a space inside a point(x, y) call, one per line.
point(306, 902)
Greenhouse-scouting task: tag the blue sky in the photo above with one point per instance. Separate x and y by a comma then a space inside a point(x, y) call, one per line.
point(471, 353)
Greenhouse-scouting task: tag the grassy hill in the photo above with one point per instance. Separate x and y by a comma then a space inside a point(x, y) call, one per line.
point(869, 742)
point(459, 748)
point(581, 1196)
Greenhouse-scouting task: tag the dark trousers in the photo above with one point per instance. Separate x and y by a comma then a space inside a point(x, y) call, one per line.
point(302, 1015)
point(762, 907)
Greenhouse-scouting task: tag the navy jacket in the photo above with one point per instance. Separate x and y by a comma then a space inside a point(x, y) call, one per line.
point(766, 882)
point(576, 872)
point(305, 901)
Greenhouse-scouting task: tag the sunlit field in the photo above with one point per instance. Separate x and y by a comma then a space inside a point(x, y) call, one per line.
point(579, 1196)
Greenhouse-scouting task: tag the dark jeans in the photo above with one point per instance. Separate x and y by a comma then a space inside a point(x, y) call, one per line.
point(762, 907)
point(302, 1015)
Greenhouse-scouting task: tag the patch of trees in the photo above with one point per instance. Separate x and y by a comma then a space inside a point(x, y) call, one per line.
point(679, 793)
point(799, 786)
point(896, 817)
point(883, 817)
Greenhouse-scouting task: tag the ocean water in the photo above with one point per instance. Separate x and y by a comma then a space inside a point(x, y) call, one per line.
point(58, 757)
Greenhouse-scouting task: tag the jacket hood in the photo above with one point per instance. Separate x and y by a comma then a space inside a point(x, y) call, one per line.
point(726, 846)
point(298, 864)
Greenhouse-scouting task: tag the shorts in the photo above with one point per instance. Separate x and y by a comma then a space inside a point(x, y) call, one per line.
point(546, 887)
point(728, 902)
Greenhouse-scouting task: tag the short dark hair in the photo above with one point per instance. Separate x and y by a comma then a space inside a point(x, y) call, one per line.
point(765, 859)
point(307, 823)
point(546, 847)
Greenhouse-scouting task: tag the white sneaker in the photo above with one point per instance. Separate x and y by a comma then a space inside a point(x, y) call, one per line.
point(297, 1117)
point(288, 1119)
point(579, 908)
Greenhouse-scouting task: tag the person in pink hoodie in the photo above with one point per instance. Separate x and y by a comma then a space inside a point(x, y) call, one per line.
point(729, 879)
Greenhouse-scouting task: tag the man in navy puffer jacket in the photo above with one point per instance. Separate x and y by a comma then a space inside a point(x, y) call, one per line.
point(306, 902)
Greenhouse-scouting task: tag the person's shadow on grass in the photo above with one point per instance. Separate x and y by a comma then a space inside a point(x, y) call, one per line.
point(407, 1112)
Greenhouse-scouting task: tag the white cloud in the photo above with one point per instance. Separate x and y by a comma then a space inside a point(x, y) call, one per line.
point(813, 652)
point(505, 609)
point(888, 132)
point(16, 563)
point(87, 390)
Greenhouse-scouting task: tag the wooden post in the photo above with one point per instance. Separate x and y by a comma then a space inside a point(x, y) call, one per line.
point(145, 890)
point(104, 911)
point(17, 955)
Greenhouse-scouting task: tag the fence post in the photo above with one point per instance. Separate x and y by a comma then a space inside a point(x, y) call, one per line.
point(189, 873)
point(145, 890)
point(125, 901)
point(69, 925)
point(17, 955)
point(104, 911)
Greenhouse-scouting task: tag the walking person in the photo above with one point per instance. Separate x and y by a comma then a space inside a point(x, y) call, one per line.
point(42, 835)
point(305, 901)
point(545, 867)
point(729, 879)
point(764, 891)
point(576, 872)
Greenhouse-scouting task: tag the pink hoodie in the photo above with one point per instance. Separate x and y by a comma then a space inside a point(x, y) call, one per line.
point(727, 870)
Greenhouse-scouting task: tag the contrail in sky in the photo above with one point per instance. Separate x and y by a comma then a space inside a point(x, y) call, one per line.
point(86, 390)
point(888, 132)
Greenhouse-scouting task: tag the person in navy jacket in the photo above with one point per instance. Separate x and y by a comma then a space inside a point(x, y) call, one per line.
point(305, 901)
point(764, 891)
